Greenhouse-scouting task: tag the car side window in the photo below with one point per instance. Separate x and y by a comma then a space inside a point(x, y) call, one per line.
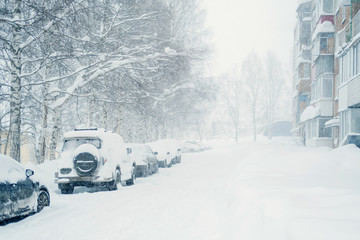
point(148, 150)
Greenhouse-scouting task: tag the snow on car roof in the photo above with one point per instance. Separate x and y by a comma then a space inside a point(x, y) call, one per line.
point(164, 144)
point(11, 171)
point(84, 133)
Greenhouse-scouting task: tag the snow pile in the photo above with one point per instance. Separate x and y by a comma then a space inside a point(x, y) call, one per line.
point(309, 113)
point(325, 27)
point(296, 193)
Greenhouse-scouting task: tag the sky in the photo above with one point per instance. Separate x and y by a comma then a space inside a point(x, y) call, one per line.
point(240, 26)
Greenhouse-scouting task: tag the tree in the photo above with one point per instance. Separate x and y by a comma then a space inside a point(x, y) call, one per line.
point(252, 74)
point(64, 58)
point(234, 96)
point(273, 85)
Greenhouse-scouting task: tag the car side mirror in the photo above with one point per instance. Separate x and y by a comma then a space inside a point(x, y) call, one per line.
point(155, 153)
point(168, 153)
point(129, 151)
point(29, 172)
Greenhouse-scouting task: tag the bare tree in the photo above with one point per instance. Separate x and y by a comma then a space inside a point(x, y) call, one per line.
point(252, 74)
point(273, 85)
point(233, 93)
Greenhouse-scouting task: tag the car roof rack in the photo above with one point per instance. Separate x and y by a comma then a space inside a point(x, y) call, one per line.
point(85, 129)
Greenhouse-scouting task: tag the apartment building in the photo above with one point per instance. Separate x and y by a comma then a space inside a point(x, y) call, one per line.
point(349, 71)
point(332, 110)
point(302, 66)
point(319, 109)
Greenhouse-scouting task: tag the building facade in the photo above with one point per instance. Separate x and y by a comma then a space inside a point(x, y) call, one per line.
point(333, 111)
point(302, 66)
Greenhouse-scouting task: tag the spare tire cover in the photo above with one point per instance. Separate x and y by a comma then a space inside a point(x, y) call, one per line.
point(86, 160)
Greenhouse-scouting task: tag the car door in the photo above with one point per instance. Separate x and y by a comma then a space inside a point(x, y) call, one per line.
point(23, 196)
point(150, 157)
point(18, 197)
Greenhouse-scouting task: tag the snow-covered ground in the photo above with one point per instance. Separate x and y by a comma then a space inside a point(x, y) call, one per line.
point(265, 190)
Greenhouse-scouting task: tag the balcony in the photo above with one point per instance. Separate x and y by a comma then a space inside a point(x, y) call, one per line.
point(343, 36)
point(306, 16)
point(303, 56)
point(356, 24)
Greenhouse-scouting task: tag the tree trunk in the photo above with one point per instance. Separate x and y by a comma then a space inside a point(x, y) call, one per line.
point(254, 121)
point(0, 136)
point(44, 126)
point(55, 136)
point(15, 104)
point(236, 134)
point(91, 112)
point(105, 116)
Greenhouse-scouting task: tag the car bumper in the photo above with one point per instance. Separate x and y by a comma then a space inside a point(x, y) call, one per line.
point(140, 170)
point(83, 181)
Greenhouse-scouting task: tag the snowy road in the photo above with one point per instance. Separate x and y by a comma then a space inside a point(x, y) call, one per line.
point(245, 191)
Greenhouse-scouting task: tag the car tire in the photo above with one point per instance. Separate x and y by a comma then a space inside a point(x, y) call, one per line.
point(113, 184)
point(66, 188)
point(118, 176)
point(146, 171)
point(43, 200)
point(133, 177)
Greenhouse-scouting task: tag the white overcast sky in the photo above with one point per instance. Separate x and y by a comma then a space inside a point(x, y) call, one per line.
point(239, 26)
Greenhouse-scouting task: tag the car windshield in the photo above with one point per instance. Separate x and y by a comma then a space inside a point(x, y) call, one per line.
point(75, 142)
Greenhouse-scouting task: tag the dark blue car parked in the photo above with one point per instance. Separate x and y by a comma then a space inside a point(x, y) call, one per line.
point(20, 195)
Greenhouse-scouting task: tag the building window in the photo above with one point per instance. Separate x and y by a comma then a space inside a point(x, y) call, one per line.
point(354, 60)
point(357, 59)
point(355, 120)
point(341, 69)
point(323, 45)
point(313, 128)
point(328, 6)
point(327, 87)
point(343, 14)
point(324, 132)
point(344, 117)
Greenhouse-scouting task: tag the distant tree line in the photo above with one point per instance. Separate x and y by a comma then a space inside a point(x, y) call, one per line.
point(134, 67)
point(254, 91)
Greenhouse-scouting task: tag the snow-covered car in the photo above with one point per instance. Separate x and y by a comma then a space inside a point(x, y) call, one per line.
point(352, 138)
point(167, 151)
point(94, 157)
point(194, 146)
point(20, 194)
point(146, 161)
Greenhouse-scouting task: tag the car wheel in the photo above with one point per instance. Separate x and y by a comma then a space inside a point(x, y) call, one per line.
point(113, 184)
point(133, 177)
point(43, 200)
point(118, 176)
point(66, 188)
point(147, 171)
